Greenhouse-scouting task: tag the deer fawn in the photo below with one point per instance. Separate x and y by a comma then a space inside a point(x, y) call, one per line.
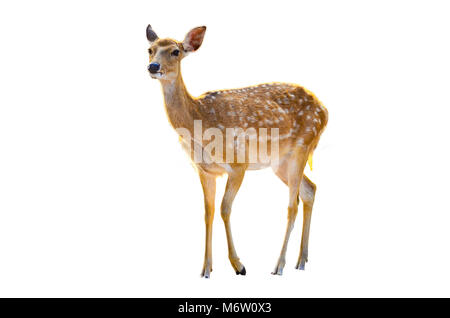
point(297, 114)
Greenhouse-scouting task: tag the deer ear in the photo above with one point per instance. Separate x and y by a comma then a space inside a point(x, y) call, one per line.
point(194, 39)
point(151, 35)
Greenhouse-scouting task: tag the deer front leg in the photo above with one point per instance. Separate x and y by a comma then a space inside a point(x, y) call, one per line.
point(233, 184)
point(209, 190)
point(295, 174)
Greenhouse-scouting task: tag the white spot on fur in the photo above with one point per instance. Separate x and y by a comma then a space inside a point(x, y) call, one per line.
point(285, 136)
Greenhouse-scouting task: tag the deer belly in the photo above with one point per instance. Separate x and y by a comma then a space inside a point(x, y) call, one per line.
point(258, 166)
point(235, 153)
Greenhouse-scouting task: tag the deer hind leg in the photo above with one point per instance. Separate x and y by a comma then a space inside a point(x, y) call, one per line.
point(294, 172)
point(307, 193)
point(233, 184)
point(209, 190)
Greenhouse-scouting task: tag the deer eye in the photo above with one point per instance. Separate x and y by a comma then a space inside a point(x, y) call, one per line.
point(175, 52)
point(150, 51)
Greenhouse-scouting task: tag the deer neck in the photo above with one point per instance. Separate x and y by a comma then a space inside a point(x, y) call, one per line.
point(180, 105)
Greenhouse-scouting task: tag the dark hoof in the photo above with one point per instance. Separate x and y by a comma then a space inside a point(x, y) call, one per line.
point(242, 272)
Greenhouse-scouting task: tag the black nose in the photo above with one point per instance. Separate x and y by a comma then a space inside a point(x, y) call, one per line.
point(154, 67)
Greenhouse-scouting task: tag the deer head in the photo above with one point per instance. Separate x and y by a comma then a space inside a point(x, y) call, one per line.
point(166, 54)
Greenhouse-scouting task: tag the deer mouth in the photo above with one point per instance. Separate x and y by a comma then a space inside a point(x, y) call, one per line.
point(156, 75)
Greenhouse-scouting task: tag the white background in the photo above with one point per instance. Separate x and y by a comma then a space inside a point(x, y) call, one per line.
point(98, 199)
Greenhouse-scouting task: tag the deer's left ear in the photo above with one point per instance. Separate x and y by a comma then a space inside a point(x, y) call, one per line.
point(194, 39)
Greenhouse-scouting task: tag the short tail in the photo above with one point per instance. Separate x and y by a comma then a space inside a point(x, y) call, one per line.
point(310, 161)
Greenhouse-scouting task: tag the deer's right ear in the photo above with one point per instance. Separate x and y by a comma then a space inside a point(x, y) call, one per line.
point(194, 39)
point(151, 35)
